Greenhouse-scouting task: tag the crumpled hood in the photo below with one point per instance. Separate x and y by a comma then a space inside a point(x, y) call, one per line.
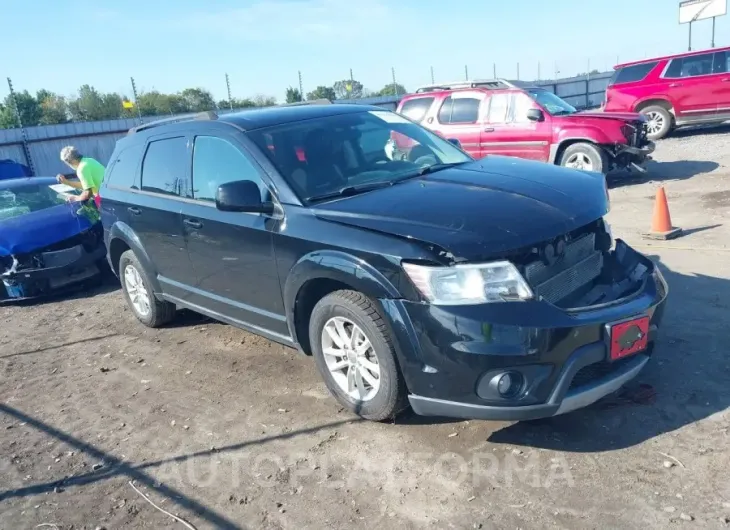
point(35, 230)
point(479, 209)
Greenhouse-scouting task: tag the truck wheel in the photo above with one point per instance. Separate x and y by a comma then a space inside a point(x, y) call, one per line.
point(659, 122)
point(140, 296)
point(586, 157)
point(355, 356)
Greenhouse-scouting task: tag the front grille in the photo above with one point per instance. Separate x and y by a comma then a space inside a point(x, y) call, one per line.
point(580, 265)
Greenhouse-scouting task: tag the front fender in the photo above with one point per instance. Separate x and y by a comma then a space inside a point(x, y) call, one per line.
point(597, 137)
point(338, 266)
point(122, 232)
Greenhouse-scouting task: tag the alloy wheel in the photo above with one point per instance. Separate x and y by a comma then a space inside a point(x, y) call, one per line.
point(351, 358)
point(579, 161)
point(136, 290)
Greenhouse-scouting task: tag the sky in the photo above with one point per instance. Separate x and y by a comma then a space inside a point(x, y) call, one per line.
point(169, 45)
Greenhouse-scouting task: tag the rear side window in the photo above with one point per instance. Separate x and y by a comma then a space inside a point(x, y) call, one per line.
point(459, 110)
point(123, 173)
point(163, 169)
point(722, 63)
point(690, 66)
point(631, 74)
point(216, 161)
point(416, 109)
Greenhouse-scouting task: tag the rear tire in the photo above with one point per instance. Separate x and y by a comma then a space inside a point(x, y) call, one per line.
point(357, 370)
point(660, 121)
point(139, 294)
point(585, 156)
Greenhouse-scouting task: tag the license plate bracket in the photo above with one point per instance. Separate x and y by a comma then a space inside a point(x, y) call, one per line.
point(627, 337)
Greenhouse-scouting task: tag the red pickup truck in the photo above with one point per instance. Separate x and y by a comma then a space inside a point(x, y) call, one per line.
point(516, 119)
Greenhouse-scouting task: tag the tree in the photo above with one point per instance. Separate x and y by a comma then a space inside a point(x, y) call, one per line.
point(91, 105)
point(30, 110)
point(236, 103)
point(322, 92)
point(293, 95)
point(54, 108)
point(198, 99)
point(348, 89)
point(155, 104)
point(392, 90)
point(261, 100)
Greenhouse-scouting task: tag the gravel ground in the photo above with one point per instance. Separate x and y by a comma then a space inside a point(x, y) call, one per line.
point(228, 430)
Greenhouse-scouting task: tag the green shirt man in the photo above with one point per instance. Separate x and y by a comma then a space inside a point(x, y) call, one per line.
point(89, 171)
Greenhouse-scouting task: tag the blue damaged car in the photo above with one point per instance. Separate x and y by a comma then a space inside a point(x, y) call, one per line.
point(46, 243)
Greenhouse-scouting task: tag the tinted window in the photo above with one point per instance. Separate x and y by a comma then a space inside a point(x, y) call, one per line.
point(163, 169)
point(691, 66)
point(123, 172)
point(459, 110)
point(415, 109)
point(633, 73)
point(722, 63)
point(215, 162)
point(498, 107)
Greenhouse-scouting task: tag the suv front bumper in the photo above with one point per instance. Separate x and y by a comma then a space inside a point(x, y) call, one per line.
point(448, 354)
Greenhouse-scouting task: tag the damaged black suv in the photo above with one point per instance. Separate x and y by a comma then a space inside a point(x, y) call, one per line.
point(478, 289)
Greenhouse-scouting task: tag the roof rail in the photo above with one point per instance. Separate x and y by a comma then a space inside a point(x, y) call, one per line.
point(207, 115)
point(493, 84)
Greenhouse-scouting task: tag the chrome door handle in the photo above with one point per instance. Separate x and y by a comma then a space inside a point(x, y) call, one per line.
point(489, 129)
point(134, 211)
point(193, 223)
point(674, 85)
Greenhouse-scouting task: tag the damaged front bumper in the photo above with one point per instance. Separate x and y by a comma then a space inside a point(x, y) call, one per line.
point(563, 357)
point(627, 156)
point(63, 265)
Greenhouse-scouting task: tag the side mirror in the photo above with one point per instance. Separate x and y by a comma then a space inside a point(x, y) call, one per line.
point(535, 115)
point(241, 196)
point(455, 141)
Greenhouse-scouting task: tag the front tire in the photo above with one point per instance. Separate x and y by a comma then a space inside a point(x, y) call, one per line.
point(355, 356)
point(586, 157)
point(139, 294)
point(660, 122)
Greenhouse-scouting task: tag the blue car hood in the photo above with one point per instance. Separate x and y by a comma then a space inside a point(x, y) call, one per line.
point(35, 230)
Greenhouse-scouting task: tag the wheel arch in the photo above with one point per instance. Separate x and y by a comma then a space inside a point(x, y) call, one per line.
point(122, 238)
point(559, 148)
point(320, 273)
point(660, 102)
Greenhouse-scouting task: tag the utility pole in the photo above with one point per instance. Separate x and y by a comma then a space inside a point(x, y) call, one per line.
point(301, 89)
point(433, 81)
point(395, 85)
point(466, 72)
point(494, 70)
point(713, 33)
point(23, 135)
point(538, 70)
point(689, 46)
point(518, 71)
point(228, 86)
point(136, 103)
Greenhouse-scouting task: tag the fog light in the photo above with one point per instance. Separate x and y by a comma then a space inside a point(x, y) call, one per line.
point(510, 384)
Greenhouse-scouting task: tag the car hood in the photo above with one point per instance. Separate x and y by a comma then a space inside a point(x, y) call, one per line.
point(621, 116)
point(481, 209)
point(36, 230)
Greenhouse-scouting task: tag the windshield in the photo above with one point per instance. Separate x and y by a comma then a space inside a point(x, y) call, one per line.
point(550, 102)
point(353, 152)
point(20, 200)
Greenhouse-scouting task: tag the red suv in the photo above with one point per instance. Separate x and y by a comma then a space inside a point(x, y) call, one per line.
point(511, 118)
point(686, 89)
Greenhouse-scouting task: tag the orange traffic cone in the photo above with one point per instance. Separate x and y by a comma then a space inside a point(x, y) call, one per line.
point(661, 223)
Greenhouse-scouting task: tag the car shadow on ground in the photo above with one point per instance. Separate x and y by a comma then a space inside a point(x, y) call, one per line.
point(696, 130)
point(661, 172)
point(685, 382)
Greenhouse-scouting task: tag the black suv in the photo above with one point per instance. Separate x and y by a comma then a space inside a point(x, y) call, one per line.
point(480, 289)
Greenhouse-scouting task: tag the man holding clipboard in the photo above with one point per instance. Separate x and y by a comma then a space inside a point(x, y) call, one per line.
point(89, 171)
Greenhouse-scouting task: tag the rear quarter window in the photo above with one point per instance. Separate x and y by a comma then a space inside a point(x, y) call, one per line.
point(631, 74)
point(416, 109)
point(123, 168)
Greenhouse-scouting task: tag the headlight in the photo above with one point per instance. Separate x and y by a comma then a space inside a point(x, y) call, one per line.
point(469, 284)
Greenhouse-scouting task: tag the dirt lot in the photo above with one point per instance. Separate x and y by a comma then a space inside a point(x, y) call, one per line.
point(228, 430)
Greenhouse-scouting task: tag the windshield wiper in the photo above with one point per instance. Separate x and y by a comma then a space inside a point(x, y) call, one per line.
point(438, 167)
point(348, 191)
